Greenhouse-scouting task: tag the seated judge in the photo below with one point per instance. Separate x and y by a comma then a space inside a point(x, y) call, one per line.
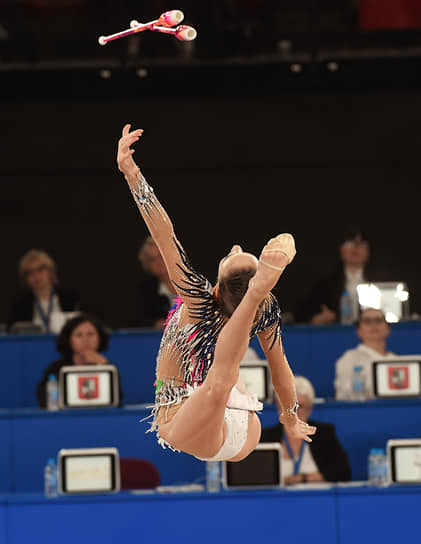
point(373, 331)
point(44, 301)
point(80, 342)
point(156, 293)
point(323, 459)
point(322, 304)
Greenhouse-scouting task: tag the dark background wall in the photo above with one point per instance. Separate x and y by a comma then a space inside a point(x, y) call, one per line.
point(227, 168)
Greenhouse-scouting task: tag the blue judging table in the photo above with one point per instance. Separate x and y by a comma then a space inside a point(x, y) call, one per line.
point(31, 436)
point(331, 516)
point(312, 352)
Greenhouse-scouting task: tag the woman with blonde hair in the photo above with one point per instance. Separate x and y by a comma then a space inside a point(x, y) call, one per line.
point(201, 407)
point(44, 297)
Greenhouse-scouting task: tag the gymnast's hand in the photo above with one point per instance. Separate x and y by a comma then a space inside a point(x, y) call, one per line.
point(297, 428)
point(125, 161)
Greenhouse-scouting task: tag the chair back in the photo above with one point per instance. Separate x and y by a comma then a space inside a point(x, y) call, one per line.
point(138, 474)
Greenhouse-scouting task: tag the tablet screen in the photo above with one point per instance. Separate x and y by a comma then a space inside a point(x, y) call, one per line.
point(255, 380)
point(88, 473)
point(406, 464)
point(260, 469)
point(397, 378)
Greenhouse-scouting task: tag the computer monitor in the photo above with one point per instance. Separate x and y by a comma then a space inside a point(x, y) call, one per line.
point(87, 386)
point(260, 470)
point(404, 460)
point(391, 297)
point(256, 377)
point(398, 377)
point(88, 470)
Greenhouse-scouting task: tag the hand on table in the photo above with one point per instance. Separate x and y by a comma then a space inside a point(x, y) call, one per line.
point(326, 316)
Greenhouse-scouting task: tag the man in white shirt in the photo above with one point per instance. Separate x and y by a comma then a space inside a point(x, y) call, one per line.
point(373, 331)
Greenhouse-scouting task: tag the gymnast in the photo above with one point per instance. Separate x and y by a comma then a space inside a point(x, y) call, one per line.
point(201, 405)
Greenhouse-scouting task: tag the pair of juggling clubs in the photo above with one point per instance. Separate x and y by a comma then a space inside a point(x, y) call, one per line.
point(164, 24)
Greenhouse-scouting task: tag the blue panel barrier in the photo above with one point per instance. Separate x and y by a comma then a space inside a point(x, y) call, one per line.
point(180, 519)
point(331, 516)
point(360, 426)
point(312, 352)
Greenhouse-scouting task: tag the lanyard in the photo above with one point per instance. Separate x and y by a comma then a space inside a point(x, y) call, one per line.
point(296, 460)
point(45, 318)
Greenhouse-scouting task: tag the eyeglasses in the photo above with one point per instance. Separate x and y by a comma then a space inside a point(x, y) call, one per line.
point(355, 243)
point(35, 270)
point(368, 320)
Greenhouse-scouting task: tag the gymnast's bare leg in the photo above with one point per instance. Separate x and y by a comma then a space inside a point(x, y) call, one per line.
point(198, 426)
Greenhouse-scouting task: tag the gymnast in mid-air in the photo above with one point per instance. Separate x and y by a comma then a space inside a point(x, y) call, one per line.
point(201, 406)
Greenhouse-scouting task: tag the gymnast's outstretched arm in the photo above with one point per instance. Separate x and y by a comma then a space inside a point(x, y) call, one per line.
point(283, 383)
point(155, 217)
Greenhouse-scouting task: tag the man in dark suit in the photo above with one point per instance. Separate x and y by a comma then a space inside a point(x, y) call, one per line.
point(322, 305)
point(156, 293)
point(323, 460)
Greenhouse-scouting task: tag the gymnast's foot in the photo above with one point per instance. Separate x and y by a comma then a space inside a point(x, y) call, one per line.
point(275, 256)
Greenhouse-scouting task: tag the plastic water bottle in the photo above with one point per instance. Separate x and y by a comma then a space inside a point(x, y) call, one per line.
point(346, 308)
point(373, 467)
point(50, 479)
point(372, 463)
point(213, 476)
point(358, 383)
point(52, 393)
point(377, 468)
point(383, 469)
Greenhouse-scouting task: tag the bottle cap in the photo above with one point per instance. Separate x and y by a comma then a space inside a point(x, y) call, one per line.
point(52, 378)
point(51, 461)
point(358, 367)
